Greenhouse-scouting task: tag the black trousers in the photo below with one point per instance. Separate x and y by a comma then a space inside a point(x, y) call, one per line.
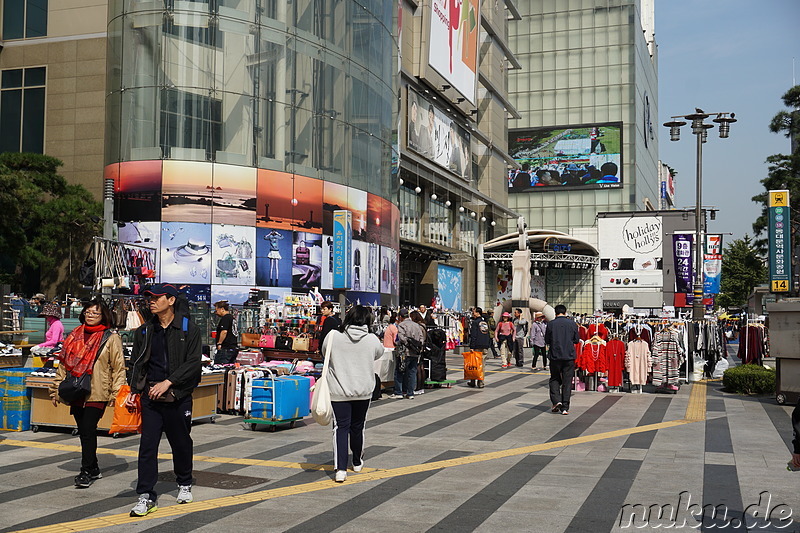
point(226, 356)
point(349, 419)
point(174, 419)
point(519, 351)
point(537, 351)
point(561, 373)
point(86, 419)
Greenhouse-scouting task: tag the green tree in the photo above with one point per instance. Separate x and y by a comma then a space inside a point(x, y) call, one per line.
point(784, 170)
point(44, 218)
point(742, 270)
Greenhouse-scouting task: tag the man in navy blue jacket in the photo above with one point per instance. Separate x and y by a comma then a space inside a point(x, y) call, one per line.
point(562, 336)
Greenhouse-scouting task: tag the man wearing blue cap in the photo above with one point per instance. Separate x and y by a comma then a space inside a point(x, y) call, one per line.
point(166, 368)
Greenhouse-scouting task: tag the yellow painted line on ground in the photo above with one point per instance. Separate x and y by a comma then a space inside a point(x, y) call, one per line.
point(696, 410)
point(306, 488)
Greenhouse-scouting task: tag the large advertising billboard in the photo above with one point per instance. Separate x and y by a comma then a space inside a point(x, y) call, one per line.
point(453, 50)
point(574, 157)
point(433, 134)
point(631, 252)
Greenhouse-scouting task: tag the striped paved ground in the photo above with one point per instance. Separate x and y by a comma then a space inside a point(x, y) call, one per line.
point(455, 459)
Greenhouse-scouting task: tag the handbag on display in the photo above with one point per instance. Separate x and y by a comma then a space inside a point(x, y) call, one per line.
point(86, 272)
point(283, 342)
point(321, 406)
point(244, 250)
point(301, 343)
point(225, 240)
point(227, 267)
point(250, 339)
point(303, 254)
point(267, 340)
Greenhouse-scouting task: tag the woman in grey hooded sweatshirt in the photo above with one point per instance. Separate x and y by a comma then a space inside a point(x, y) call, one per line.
point(351, 378)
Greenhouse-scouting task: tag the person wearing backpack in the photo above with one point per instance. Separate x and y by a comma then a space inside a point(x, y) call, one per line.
point(410, 341)
point(492, 323)
point(479, 340)
point(165, 368)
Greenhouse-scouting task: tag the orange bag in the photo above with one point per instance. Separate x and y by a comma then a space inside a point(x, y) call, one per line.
point(126, 420)
point(473, 365)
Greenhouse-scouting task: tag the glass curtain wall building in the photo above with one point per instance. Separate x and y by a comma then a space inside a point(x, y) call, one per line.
point(234, 129)
point(587, 140)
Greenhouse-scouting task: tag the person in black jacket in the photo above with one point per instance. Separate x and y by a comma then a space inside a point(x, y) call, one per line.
point(327, 322)
point(166, 368)
point(796, 441)
point(479, 339)
point(562, 336)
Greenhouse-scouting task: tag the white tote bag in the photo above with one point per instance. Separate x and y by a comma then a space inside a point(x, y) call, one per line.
point(321, 407)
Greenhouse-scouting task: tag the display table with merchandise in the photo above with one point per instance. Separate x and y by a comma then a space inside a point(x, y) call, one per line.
point(45, 414)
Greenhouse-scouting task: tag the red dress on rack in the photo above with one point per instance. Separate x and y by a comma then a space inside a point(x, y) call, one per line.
point(615, 362)
point(592, 358)
point(598, 329)
point(583, 333)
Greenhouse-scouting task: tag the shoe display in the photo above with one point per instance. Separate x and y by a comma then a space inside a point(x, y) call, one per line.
point(358, 468)
point(144, 506)
point(83, 480)
point(480, 384)
point(184, 494)
point(340, 476)
point(556, 408)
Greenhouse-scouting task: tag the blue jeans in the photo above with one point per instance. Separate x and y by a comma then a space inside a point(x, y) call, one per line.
point(406, 382)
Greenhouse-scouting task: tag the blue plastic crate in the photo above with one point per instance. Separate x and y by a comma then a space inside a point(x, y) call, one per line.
point(12, 381)
point(291, 398)
point(15, 420)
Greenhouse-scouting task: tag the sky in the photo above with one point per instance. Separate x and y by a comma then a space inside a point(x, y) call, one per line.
point(725, 56)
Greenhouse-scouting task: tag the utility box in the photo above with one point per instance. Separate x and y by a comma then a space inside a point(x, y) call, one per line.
point(784, 345)
point(784, 329)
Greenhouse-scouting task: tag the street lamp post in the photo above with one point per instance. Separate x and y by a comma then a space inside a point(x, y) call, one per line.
point(700, 130)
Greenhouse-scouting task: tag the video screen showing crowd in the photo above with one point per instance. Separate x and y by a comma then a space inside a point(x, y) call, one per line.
point(576, 157)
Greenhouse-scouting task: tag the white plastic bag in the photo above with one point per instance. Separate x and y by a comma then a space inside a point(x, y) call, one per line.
point(720, 368)
point(321, 407)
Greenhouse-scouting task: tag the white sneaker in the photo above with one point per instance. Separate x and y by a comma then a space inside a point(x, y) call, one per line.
point(340, 476)
point(184, 494)
point(358, 468)
point(144, 506)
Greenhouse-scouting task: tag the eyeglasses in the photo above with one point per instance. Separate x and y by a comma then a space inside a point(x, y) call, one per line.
point(93, 313)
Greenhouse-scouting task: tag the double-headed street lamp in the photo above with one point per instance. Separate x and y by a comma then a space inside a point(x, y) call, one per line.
point(700, 130)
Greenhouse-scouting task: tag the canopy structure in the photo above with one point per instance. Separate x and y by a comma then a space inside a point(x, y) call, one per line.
point(550, 248)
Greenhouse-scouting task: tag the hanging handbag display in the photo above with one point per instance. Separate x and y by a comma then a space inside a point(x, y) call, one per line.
point(303, 254)
point(283, 342)
point(227, 267)
point(251, 339)
point(86, 274)
point(267, 340)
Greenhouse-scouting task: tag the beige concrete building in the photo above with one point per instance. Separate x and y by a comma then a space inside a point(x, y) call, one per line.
point(53, 63)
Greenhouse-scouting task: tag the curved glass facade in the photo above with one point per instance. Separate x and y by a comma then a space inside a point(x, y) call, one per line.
point(250, 119)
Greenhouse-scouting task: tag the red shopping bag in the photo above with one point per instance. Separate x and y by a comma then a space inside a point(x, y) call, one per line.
point(126, 420)
point(473, 365)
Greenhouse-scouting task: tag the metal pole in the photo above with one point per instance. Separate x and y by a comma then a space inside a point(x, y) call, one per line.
point(698, 309)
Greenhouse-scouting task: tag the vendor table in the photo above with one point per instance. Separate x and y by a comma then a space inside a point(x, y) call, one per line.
point(43, 413)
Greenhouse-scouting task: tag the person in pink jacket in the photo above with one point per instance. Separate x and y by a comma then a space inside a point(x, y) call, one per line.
point(55, 330)
point(505, 333)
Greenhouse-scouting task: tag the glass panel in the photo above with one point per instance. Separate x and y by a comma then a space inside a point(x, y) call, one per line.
point(190, 120)
point(234, 71)
point(33, 121)
point(10, 116)
point(35, 76)
point(13, 20)
point(112, 130)
point(236, 129)
point(140, 124)
point(188, 56)
point(141, 54)
point(36, 23)
point(12, 78)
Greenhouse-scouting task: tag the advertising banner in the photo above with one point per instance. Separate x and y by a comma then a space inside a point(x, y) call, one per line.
point(684, 273)
point(342, 249)
point(435, 135)
point(780, 242)
point(572, 157)
point(450, 287)
point(453, 43)
point(712, 264)
point(631, 252)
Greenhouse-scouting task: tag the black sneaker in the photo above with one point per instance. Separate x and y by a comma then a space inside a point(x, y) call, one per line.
point(556, 408)
point(83, 481)
point(471, 383)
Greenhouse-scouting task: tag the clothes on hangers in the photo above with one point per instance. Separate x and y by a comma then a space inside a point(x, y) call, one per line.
point(615, 362)
point(666, 358)
point(637, 361)
point(592, 357)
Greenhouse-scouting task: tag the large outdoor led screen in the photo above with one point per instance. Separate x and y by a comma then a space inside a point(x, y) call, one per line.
point(575, 157)
point(453, 44)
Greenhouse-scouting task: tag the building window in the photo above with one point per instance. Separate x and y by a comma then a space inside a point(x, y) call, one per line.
point(410, 213)
point(467, 234)
point(191, 121)
point(22, 110)
point(23, 19)
point(440, 229)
